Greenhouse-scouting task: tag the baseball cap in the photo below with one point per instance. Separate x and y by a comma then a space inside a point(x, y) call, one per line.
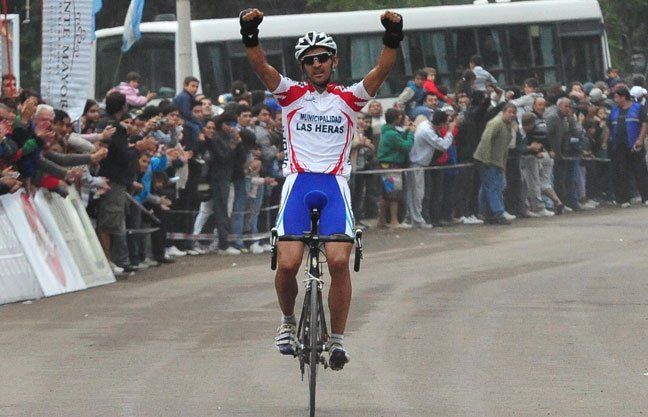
point(638, 92)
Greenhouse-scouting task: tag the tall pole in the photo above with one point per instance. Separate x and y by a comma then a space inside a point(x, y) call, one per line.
point(183, 39)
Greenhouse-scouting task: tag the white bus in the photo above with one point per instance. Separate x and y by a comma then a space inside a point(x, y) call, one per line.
point(552, 40)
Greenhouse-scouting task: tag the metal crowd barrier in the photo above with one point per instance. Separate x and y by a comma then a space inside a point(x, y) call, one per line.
point(267, 210)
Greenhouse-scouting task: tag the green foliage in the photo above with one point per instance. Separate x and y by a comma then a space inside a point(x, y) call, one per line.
point(627, 27)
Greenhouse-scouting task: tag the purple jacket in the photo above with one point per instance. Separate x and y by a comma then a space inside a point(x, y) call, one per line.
point(133, 97)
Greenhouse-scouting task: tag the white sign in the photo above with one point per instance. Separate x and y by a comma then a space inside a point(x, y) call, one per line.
point(65, 74)
point(43, 247)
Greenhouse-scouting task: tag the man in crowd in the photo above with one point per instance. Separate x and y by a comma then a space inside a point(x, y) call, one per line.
point(491, 154)
point(563, 130)
point(118, 168)
point(431, 139)
point(411, 98)
point(629, 126)
point(482, 77)
point(185, 99)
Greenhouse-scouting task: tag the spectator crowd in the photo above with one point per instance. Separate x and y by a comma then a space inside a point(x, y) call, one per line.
point(170, 178)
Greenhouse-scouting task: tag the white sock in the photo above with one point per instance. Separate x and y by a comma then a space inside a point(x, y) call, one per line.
point(336, 338)
point(288, 319)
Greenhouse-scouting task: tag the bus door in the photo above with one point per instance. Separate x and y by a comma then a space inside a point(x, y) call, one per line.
point(582, 51)
point(241, 70)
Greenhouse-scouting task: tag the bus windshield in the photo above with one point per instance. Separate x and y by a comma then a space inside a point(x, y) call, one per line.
point(153, 57)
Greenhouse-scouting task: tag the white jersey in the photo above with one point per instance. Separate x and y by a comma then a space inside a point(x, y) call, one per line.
point(319, 128)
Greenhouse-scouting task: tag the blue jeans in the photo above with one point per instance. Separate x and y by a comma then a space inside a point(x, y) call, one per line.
point(491, 191)
point(238, 211)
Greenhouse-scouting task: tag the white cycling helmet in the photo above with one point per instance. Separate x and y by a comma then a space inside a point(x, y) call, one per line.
point(313, 39)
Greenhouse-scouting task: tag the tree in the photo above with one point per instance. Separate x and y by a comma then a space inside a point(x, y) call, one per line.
point(626, 25)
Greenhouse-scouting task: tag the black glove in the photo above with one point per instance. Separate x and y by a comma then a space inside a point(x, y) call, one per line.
point(250, 29)
point(393, 32)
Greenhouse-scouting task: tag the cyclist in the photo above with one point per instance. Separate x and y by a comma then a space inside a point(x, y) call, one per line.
point(319, 119)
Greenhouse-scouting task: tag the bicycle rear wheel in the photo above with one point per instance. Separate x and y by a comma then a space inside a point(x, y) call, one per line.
point(313, 339)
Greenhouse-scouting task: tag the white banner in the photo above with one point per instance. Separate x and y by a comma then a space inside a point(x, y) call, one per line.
point(65, 74)
point(44, 247)
point(75, 227)
point(17, 279)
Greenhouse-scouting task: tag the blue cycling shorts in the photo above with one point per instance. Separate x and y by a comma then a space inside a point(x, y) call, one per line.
point(336, 216)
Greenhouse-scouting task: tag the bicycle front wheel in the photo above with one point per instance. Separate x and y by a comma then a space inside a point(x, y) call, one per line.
point(314, 338)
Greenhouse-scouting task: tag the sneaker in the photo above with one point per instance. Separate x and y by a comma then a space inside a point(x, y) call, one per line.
point(174, 251)
point(400, 226)
point(256, 249)
point(230, 251)
point(192, 252)
point(166, 259)
point(266, 247)
point(140, 266)
point(213, 247)
point(645, 203)
point(585, 206)
point(473, 220)
point(544, 213)
point(286, 339)
point(567, 209)
point(509, 216)
point(199, 249)
point(531, 214)
point(625, 205)
point(423, 225)
point(593, 203)
point(499, 221)
point(635, 200)
point(116, 269)
point(151, 262)
point(338, 356)
point(463, 220)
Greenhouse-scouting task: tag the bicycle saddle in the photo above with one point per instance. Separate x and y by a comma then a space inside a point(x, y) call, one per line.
point(315, 200)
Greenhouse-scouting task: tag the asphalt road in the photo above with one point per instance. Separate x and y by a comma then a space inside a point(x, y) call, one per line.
point(544, 318)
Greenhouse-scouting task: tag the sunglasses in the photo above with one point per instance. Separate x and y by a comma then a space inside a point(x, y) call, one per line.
point(321, 58)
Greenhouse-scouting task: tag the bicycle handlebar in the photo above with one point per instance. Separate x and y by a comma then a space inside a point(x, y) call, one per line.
point(316, 238)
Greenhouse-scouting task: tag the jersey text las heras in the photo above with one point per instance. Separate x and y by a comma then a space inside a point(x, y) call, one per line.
point(319, 127)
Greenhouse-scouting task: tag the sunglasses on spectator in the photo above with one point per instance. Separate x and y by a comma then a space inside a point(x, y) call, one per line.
point(321, 58)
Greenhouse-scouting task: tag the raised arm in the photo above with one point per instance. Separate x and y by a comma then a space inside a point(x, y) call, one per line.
point(393, 23)
point(250, 20)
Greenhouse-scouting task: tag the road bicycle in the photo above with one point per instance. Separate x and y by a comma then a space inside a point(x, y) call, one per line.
point(312, 332)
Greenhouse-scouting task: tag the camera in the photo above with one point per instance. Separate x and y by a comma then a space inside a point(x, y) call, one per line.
point(162, 123)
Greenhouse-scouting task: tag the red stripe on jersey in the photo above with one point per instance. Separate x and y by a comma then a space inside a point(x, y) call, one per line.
point(294, 93)
point(354, 102)
point(340, 163)
point(293, 160)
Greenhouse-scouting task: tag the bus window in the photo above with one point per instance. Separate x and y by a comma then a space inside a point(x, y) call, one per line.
point(519, 47)
point(364, 51)
point(582, 58)
point(213, 69)
point(239, 66)
point(431, 51)
point(152, 57)
point(490, 49)
point(544, 52)
point(464, 46)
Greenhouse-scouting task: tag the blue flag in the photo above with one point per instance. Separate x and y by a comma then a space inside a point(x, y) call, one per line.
point(131, 24)
point(96, 6)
